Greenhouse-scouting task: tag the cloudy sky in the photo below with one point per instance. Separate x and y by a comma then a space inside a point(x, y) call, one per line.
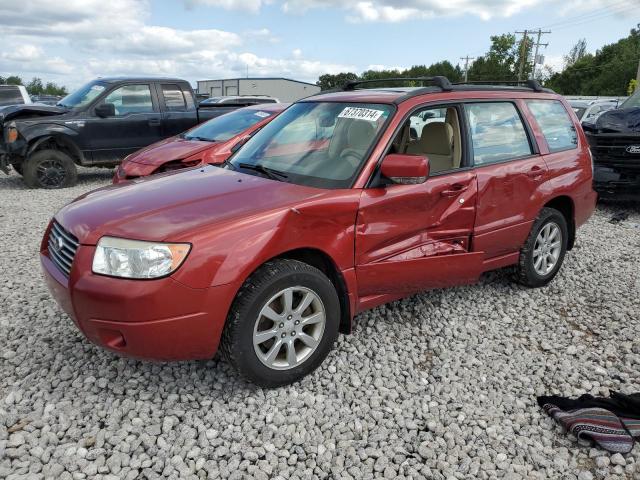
point(73, 41)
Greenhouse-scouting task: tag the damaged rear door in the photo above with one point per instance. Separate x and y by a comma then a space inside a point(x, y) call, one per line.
point(415, 237)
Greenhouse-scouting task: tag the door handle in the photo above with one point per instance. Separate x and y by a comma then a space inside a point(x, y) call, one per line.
point(456, 189)
point(535, 172)
point(154, 122)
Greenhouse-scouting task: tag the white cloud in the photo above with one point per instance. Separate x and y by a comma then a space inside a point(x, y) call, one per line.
point(394, 11)
point(252, 6)
point(73, 41)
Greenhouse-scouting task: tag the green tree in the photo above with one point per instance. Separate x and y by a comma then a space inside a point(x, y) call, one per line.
point(633, 86)
point(503, 60)
point(329, 81)
point(35, 87)
point(607, 72)
point(13, 80)
point(578, 51)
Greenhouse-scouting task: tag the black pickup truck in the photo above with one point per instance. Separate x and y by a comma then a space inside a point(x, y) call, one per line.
point(614, 138)
point(97, 125)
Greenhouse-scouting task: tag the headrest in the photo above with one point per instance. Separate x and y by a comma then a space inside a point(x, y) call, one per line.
point(360, 134)
point(437, 138)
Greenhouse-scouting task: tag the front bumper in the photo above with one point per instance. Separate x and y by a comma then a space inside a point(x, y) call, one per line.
point(616, 169)
point(159, 319)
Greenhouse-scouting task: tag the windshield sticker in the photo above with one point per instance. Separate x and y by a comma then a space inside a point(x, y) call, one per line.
point(358, 113)
point(97, 88)
point(261, 114)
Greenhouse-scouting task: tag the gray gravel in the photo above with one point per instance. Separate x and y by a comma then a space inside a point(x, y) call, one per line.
point(441, 385)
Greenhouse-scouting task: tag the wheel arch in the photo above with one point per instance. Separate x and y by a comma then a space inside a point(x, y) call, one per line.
point(323, 262)
point(564, 204)
point(58, 142)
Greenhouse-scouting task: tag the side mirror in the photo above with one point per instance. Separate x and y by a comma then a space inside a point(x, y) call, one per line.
point(405, 169)
point(106, 110)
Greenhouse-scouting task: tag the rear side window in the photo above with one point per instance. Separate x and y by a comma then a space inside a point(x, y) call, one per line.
point(173, 98)
point(497, 132)
point(10, 96)
point(555, 123)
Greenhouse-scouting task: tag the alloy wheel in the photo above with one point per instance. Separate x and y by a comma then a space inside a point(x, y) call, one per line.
point(547, 248)
point(51, 173)
point(289, 328)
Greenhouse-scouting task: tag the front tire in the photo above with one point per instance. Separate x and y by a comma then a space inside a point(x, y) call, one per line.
point(282, 324)
point(543, 253)
point(50, 169)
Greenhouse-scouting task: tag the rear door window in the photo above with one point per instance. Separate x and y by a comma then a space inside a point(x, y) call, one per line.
point(173, 98)
point(555, 123)
point(497, 132)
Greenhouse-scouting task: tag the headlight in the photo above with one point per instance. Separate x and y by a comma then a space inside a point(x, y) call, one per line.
point(119, 257)
point(12, 134)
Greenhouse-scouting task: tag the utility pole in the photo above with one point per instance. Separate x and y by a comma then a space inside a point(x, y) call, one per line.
point(466, 66)
point(523, 49)
point(535, 56)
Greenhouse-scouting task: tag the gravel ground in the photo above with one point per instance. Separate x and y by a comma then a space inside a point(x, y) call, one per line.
point(441, 385)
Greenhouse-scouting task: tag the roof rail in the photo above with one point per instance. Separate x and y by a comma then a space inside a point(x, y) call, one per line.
point(439, 81)
point(530, 83)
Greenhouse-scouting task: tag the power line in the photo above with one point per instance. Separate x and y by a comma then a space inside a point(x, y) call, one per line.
point(614, 9)
point(466, 66)
point(596, 12)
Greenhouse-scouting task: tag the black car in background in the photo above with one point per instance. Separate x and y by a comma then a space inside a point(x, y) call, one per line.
point(97, 125)
point(614, 138)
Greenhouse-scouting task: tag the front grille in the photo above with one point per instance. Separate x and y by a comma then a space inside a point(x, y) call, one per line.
point(62, 247)
point(612, 150)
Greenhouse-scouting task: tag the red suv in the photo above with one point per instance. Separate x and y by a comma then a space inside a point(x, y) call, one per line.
point(334, 207)
point(211, 142)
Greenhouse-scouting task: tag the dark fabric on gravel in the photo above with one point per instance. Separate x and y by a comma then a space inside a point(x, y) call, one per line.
point(612, 423)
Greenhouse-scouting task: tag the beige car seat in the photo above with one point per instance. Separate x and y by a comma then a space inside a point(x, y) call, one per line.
point(436, 142)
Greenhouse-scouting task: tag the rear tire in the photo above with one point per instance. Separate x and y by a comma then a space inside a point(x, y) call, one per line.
point(282, 324)
point(543, 253)
point(50, 169)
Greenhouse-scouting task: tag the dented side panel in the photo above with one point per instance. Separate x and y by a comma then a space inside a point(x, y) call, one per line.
point(411, 238)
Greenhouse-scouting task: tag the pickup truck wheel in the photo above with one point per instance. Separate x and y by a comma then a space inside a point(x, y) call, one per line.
point(50, 169)
point(543, 253)
point(282, 324)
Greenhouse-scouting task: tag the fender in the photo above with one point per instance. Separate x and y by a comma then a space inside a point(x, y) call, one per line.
point(229, 253)
point(63, 135)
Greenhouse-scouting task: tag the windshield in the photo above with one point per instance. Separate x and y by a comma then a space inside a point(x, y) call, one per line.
point(224, 127)
point(633, 101)
point(83, 96)
point(319, 144)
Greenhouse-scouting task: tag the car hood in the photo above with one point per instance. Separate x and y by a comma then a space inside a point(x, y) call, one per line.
point(13, 112)
point(623, 120)
point(174, 148)
point(169, 206)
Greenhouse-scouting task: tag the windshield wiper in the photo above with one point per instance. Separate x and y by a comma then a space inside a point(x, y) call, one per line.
point(269, 172)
